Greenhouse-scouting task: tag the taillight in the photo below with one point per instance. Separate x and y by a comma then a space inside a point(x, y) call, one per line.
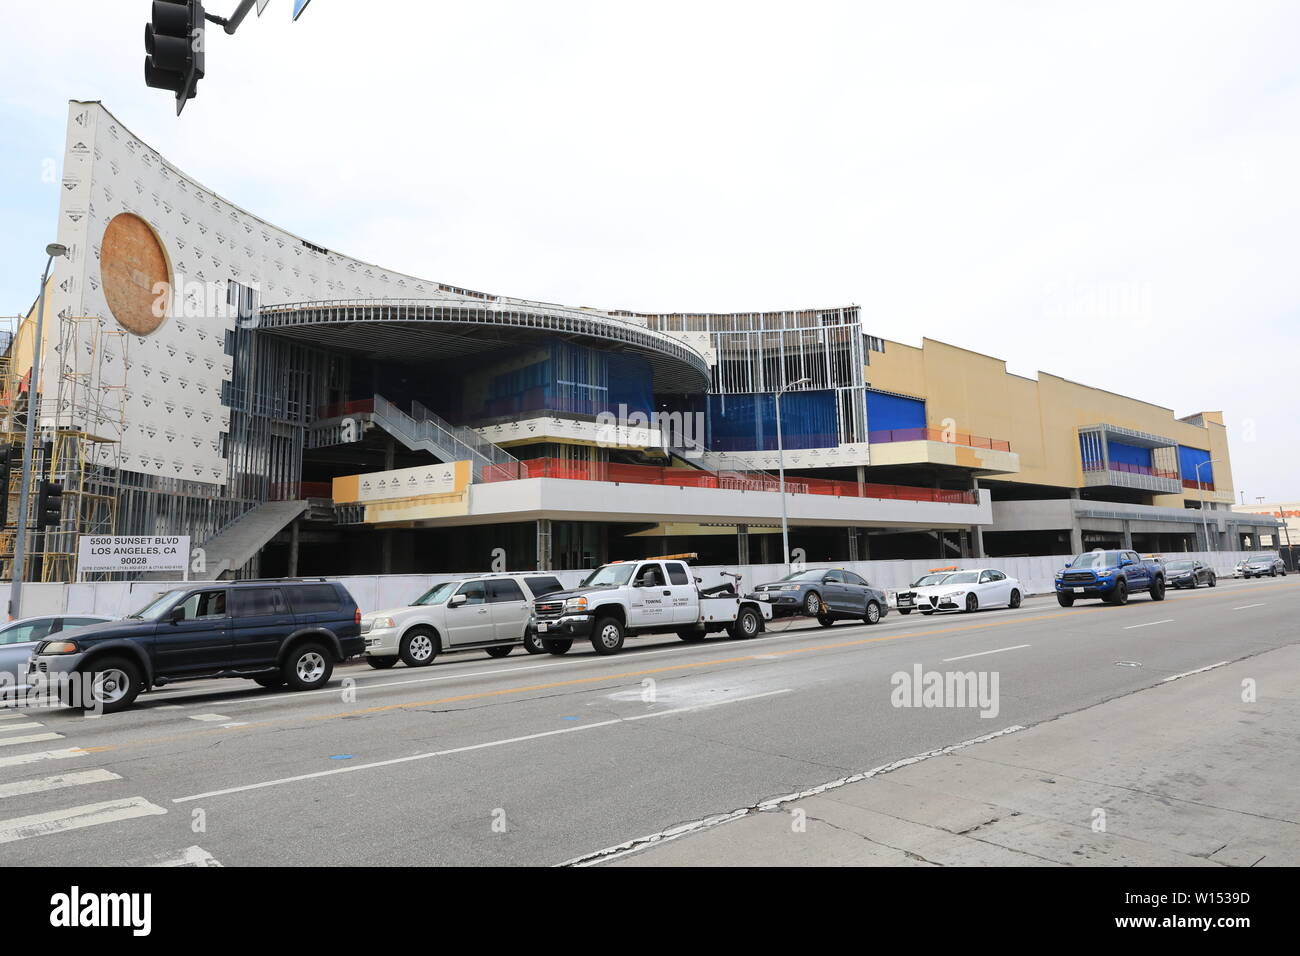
point(357, 617)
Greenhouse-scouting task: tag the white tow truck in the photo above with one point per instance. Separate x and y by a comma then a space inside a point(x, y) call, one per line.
point(646, 596)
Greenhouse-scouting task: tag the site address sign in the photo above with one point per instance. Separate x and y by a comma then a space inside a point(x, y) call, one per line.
point(97, 554)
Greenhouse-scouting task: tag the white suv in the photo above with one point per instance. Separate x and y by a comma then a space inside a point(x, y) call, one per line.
point(487, 612)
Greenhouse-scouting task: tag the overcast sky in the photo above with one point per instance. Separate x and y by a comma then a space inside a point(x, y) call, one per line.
point(1106, 192)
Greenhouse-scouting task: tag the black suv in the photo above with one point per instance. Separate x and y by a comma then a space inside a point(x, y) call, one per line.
point(272, 632)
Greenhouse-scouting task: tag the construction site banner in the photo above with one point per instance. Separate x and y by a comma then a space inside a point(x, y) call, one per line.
point(101, 554)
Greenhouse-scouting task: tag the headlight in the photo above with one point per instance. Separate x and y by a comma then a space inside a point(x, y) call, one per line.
point(59, 647)
point(954, 594)
point(576, 604)
point(376, 622)
point(790, 587)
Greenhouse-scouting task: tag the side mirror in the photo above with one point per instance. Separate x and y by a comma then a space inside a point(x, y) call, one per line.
point(456, 600)
point(176, 615)
point(1124, 562)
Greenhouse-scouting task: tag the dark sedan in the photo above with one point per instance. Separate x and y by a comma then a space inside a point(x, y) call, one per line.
point(1187, 573)
point(1262, 565)
point(827, 595)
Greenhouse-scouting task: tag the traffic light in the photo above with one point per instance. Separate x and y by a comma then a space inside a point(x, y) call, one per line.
point(49, 505)
point(174, 40)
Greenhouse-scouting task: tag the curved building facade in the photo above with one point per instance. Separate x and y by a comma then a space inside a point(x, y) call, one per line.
point(295, 409)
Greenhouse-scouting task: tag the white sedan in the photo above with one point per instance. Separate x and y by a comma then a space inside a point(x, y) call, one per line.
point(970, 590)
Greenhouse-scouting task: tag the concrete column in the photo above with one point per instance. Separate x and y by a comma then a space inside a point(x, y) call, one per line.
point(1126, 536)
point(390, 454)
point(853, 544)
point(386, 552)
point(742, 543)
point(1076, 538)
point(976, 531)
point(544, 544)
point(862, 479)
point(293, 548)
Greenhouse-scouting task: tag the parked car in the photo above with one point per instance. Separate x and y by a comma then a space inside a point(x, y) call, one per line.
point(650, 596)
point(1109, 575)
point(905, 599)
point(826, 594)
point(276, 633)
point(18, 639)
point(969, 590)
point(484, 612)
point(1260, 565)
point(1190, 573)
point(1239, 569)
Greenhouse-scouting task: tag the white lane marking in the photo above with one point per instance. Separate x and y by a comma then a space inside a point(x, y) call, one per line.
point(13, 716)
point(234, 723)
point(1168, 620)
point(471, 747)
point(1199, 670)
point(41, 755)
point(707, 823)
point(57, 782)
point(11, 727)
point(29, 739)
point(76, 818)
point(214, 718)
point(190, 856)
point(982, 653)
point(1248, 606)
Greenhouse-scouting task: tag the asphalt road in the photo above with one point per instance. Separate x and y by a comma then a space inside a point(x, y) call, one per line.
point(541, 760)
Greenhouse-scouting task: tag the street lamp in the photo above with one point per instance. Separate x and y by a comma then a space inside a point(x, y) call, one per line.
point(780, 461)
point(1205, 524)
point(53, 250)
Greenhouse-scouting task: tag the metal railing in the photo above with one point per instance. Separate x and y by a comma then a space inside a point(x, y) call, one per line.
point(447, 441)
point(937, 434)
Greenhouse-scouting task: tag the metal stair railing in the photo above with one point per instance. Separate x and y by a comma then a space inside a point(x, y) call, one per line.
point(431, 433)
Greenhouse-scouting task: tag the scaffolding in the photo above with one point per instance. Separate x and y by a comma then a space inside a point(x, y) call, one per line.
point(78, 440)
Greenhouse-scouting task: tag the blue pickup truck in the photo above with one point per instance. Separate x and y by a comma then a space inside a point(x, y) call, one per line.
point(1111, 576)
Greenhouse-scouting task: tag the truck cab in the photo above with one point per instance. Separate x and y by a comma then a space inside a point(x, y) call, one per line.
point(627, 598)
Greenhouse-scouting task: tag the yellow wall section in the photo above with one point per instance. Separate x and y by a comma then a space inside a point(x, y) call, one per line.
point(1040, 418)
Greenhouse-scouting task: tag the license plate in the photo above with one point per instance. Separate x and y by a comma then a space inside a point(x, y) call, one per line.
point(1076, 589)
point(765, 597)
point(542, 626)
point(905, 600)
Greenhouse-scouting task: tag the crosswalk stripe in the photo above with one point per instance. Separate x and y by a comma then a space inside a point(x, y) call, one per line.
point(39, 755)
point(76, 818)
point(30, 739)
point(8, 728)
point(57, 782)
point(18, 716)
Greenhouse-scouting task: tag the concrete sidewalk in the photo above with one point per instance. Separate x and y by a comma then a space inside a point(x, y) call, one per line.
point(1185, 773)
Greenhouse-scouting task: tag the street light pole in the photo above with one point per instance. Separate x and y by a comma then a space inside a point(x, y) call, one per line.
point(1205, 523)
point(53, 250)
point(780, 461)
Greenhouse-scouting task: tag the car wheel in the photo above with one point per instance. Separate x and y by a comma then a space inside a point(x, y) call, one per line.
point(608, 636)
point(1214, 581)
point(112, 684)
point(1064, 599)
point(812, 604)
point(691, 636)
point(500, 651)
point(1157, 590)
point(972, 603)
point(1119, 595)
point(418, 648)
point(1195, 583)
point(927, 613)
point(1273, 573)
point(534, 644)
point(873, 613)
point(1015, 599)
point(904, 610)
point(825, 620)
point(382, 663)
point(270, 682)
point(308, 666)
point(557, 648)
point(747, 624)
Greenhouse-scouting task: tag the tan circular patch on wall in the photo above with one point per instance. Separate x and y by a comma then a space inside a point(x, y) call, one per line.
point(137, 277)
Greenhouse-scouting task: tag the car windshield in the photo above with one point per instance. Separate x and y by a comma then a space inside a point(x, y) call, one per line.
point(437, 594)
point(610, 576)
point(157, 607)
point(813, 575)
point(1095, 559)
point(962, 577)
point(1180, 565)
point(927, 579)
point(1260, 561)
